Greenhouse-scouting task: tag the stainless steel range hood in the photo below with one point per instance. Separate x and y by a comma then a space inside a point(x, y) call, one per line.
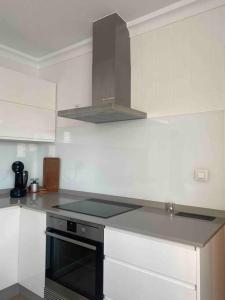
point(111, 82)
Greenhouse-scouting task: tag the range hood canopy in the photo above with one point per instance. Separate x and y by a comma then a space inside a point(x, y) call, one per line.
point(111, 79)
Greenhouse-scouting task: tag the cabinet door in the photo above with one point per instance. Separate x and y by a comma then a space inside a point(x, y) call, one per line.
point(122, 281)
point(23, 122)
point(156, 255)
point(24, 89)
point(9, 246)
point(32, 250)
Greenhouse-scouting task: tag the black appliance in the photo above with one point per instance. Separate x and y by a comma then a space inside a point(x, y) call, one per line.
point(98, 207)
point(74, 259)
point(21, 178)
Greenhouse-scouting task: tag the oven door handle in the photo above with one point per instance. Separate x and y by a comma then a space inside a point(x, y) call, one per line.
point(66, 239)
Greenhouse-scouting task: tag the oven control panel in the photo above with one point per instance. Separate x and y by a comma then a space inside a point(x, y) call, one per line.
point(90, 231)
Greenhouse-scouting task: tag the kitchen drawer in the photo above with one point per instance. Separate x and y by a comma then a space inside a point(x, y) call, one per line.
point(122, 282)
point(171, 259)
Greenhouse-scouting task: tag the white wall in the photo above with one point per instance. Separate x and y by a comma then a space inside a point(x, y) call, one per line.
point(74, 83)
point(6, 62)
point(180, 68)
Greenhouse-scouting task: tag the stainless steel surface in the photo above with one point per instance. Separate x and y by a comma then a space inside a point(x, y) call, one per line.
point(54, 291)
point(103, 113)
point(34, 186)
point(87, 230)
point(195, 216)
point(152, 220)
point(111, 75)
point(57, 222)
point(57, 236)
point(170, 207)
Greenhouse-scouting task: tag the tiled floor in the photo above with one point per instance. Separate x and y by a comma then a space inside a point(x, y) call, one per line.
point(19, 298)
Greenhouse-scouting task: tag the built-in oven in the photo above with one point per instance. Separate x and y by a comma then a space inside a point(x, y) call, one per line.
point(74, 259)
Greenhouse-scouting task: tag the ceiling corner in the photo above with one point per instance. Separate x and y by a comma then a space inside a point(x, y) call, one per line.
point(167, 15)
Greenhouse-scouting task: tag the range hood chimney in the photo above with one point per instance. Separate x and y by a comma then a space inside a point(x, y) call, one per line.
point(111, 79)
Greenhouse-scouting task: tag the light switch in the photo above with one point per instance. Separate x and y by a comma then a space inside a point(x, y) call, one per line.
point(201, 174)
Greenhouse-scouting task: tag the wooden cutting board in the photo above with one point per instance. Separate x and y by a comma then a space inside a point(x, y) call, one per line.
point(51, 171)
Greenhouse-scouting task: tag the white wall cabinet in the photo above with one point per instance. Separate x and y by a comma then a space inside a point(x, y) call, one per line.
point(24, 89)
point(32, 244)
point(22, 122)
point(141, 267)
point(9, 246)
point(27, 107)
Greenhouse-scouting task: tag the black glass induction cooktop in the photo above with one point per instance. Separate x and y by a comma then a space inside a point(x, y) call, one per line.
point(98, 207)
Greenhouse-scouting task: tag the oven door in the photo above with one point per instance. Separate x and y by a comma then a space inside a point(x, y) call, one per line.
point(73, 264)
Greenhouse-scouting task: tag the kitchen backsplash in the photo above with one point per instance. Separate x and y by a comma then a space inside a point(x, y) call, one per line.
point(30, 154)
point(151, 159)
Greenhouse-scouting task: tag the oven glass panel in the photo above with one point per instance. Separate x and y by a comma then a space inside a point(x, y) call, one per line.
point(74, 266)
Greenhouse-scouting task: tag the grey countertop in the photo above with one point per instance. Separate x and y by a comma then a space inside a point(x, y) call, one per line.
point(152, 219)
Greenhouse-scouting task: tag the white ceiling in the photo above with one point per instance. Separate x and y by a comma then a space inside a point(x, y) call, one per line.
point(39, 27)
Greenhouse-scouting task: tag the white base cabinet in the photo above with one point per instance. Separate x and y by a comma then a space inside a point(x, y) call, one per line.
point(22, 248)
point(143, 268)
point(32, 251)
point(124, 281)
point(9, 246)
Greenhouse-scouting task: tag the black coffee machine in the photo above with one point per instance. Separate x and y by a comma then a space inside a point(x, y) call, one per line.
point(21, 178)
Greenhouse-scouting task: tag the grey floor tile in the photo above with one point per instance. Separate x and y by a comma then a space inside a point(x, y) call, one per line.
point(19, 298)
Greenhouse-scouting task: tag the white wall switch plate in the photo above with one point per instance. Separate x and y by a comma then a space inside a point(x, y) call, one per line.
point(201, 174)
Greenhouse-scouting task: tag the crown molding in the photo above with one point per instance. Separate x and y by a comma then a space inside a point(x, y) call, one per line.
point(67, 53)
point(171, 14)
point(167, 15)
point(18, 56)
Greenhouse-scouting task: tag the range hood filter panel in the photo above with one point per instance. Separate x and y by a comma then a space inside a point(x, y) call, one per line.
point(103, 114)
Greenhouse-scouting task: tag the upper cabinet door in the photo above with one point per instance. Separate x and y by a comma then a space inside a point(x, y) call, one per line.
point(20, 88)
point(27, 123)
point(27, 107)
